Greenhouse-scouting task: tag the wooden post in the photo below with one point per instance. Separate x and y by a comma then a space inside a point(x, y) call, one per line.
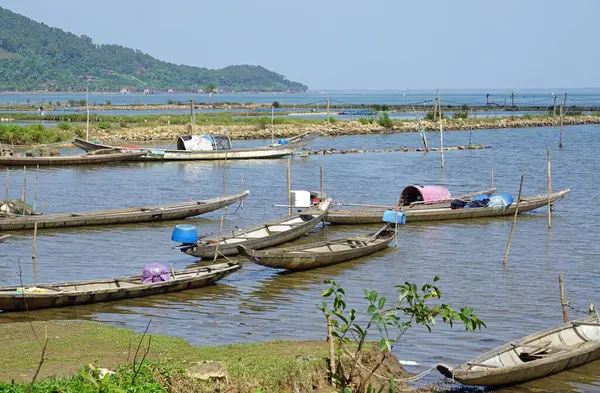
point(331, 350)
point(322, 196)
point(441, 131)
point(225, 177)
point(549, 192)
point(563, 301)
point(35, 190)
point(43, 206)
point(33, 248)
point(218, 239)
point(7, 191)
point(397, 210)
point(560, 143)
point(289, 187)
point(554, 105)
point(24, 194)
point(512, 228)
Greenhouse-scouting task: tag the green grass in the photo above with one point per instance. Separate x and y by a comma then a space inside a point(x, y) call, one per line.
point(272, 366)
point(33, 134)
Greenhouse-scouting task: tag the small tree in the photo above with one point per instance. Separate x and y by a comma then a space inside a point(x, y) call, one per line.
point(411, 308)
point(211, 87)
point(275, 104)
point(385, 121)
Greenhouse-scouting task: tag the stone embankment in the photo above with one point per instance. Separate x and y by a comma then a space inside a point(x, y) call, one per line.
point(170, 132)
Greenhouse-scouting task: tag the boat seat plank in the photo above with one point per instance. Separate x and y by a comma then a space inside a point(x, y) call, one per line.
point(263, 232)
point(279, 228)
point(482, 365)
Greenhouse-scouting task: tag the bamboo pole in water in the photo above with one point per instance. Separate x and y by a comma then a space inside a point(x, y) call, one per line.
point(563, 301)
point(322, 196)
point(7, 190)
point(441, 131)
point(512, 228)
point(289, 187)
point(33, 247)
point(218, 239)
point(421, 130)
point(35, 191)
point(549, 192)
point(24, 194)
point(560, 143)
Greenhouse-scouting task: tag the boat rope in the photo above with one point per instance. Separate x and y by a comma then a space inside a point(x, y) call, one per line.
point(409, 379)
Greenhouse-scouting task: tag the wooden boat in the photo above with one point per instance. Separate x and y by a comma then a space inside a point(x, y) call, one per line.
point(535, 356)
point(411, 204)
point(73, 293)
point(314, 255)
point(271, 151)
point(434, 213)
point(166, 212)
point(4, 238)
point(76, 159)
point(283, 230)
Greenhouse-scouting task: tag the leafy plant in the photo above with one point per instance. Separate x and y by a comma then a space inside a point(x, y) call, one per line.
point(64, 126)
point(331, 120)
point(104, 125)
point(385, 121)
point(366, 120)
point(391, 322)
point(430, 116)
point(275, 104)
point(460, 115)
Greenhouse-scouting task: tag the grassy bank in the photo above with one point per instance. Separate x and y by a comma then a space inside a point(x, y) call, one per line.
point(267, 367)
point(152, 128)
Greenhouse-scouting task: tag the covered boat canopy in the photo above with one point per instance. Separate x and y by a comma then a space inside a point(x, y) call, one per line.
point(424, 194)
point(203, 142)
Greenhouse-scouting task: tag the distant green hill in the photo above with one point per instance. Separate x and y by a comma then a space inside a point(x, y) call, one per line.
point(34, 56)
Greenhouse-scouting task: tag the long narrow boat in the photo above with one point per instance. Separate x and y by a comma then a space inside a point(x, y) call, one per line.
point(73, 293)
point(283, 230)
point(277, 150)
point(314, 255)
point(166, 212)
point(535, 356)
point(76, 159)
point(372, 216)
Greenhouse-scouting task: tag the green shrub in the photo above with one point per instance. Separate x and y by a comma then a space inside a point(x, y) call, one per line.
point(107, 102)
point(64, 126)
point(331, 120)
point(123, 124)
point(275, 104)
point(460, 115)
point(104, 125)
point(429, 116)
point(574, 113)
point(385, 121)
point(365, 120)
point(262, 122)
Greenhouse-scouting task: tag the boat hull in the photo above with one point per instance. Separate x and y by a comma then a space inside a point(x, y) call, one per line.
point(498, 375)
point(374, 216)
point(229, 249)
point(119, 216)
point(20, 302)
point(308, 260)
point(78, 159)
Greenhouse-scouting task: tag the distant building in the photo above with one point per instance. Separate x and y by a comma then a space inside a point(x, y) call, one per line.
point(172, 91)
point(124, 91)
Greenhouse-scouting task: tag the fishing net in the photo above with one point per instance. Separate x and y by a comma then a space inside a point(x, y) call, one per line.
point(15, 207)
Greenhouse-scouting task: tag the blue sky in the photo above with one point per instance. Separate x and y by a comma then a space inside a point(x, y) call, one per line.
point(351, 44)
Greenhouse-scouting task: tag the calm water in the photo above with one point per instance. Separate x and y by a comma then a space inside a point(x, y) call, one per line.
point(541, 97)
point(262, 304)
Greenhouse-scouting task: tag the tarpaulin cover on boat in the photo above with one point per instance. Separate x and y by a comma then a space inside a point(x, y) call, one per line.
point(203, 142)
point(425, 194)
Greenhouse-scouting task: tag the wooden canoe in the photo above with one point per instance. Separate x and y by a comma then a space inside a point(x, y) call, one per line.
point(283, 230)
point(166, 212)
point(76, 159)
point(270, 151)
point(535, 356)
point(372, 216)
point(73, 293)
point(314, 255)
point(3, 238)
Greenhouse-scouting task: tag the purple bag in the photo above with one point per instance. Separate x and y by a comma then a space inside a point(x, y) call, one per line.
point(155, 272)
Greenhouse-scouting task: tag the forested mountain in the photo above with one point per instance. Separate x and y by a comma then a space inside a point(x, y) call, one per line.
point(34, 56)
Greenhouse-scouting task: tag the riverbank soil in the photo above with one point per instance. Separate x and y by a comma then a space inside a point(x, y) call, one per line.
point(279, 366)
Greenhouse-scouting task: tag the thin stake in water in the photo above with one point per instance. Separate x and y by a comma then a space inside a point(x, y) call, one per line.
point(512, 228)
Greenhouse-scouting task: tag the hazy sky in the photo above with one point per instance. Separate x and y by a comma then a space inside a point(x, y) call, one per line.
point(331, 44)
